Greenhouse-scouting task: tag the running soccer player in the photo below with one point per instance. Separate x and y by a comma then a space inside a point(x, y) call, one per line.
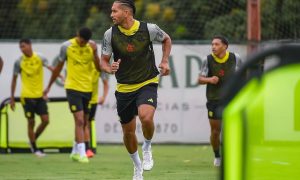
point(134, 66)
point(216, 69)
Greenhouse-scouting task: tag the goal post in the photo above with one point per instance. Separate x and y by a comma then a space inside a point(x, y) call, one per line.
point(57, 137)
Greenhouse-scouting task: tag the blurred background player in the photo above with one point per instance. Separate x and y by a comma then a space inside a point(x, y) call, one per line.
point(1, 64)
point(93, 108)
point(80, 53)
point(30, 67)
point(216, 69)
point(134, 66)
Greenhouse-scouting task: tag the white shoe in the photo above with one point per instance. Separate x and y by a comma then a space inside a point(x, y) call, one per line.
point(217, 162)
point(137, 174)
point(147, 160)
point(39, 153)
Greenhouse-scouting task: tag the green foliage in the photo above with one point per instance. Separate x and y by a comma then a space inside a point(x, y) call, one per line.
point(280, 19)
point(98, 22)
point(183, 20)
point(233, 24)
point(55, 19)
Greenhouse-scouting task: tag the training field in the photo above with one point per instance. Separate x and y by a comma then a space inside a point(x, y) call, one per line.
point(112, 162)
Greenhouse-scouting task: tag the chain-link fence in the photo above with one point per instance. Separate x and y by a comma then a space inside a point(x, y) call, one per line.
point(183, 20)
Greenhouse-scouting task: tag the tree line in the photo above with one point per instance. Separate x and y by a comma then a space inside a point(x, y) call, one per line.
point(183, 20)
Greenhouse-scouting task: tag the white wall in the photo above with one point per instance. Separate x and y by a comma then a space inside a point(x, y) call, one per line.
point(181, 114)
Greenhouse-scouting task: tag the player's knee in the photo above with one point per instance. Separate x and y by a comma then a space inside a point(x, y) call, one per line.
point(146, 118)
point(80, 122)
point(215, 132)
point(31, 122)
point(128, 134)
point(45, 122)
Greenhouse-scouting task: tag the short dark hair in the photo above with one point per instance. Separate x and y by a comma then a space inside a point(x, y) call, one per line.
point(85, 33)
point(25, 40)
point(128, 3)
point(223, 39)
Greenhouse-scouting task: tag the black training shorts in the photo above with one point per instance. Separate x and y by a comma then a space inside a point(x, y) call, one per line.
point(212, 110)
point(78, 100)
point(128, 103)
point(34, 105)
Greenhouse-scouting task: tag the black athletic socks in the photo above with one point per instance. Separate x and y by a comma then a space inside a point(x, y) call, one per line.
point(217, 153)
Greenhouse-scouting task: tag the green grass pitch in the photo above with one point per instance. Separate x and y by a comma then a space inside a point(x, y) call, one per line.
point(183, 162)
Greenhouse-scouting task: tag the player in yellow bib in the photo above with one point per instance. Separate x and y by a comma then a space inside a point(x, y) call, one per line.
point(30, 66)
point(80, 53)
point(94, 102)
